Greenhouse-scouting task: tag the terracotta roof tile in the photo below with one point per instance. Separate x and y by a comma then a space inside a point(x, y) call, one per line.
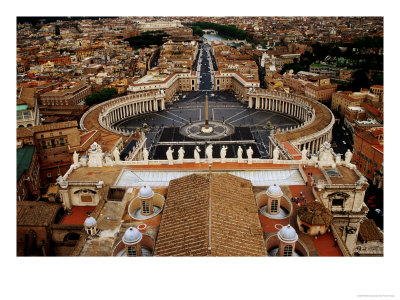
point(210, 218)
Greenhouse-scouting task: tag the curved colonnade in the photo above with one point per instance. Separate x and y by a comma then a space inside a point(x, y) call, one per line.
point(125, 107)
point(316, 119)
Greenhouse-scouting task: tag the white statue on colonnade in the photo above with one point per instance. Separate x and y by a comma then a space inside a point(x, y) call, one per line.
point(275, 154)
point(145, 155)
point(116, 155)
point(223, 154)
point(196, 155)
point(209, 153)
point(250, 155)
point(304, 153)
point(240, 154)
point(181, 154)
point(169, 156)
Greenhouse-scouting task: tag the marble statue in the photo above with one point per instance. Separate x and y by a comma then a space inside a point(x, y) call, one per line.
point(95, 155)
point(250, 155)
point(116, 155)
point(223, 154)
point(304, 154)
point(75, 157)
point(145, 155)
point(197, 155)
point(169, 156)
point(348, 156)
point(109, 162)
point(83, 161)
point(325, 156)
point(240, 154)
point(181, 153)
point(275, 154)
point(209, 153)
point(338, 158)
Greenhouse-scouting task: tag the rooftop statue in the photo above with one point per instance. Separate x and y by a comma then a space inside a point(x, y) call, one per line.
point(209, 153)
point(223, 154)
point(116, 155)
point(348, 156)
point(76, 158)
point(325, 156)
point(275, 154)
point(250, 155)
point(145, 155)
point(240, 154)
point(197, 155)
point(95, 156)
point(181, 154)
point(304, 153)
point(169, 156)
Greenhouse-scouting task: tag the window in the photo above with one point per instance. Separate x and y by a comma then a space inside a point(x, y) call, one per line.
point(27, 114)
point(131, 251)
point(62, 141)
point(274, 206)
point(51, 134)
point(337, 202)
point(145, 207)
point(287, 251)
point(60, 133)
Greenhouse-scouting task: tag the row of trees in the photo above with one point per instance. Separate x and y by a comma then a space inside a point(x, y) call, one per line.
point(145, 39)
point(357, 53)
point(229, 31)
point(101, 96)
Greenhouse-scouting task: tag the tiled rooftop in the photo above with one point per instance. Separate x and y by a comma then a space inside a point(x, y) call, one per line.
point(203, 218)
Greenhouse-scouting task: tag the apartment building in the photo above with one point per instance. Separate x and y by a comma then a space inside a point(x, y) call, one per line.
point(70, 93)
point(27, 108)
point(368, 151)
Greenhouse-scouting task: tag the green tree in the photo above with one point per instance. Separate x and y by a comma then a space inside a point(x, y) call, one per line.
point(101, 96)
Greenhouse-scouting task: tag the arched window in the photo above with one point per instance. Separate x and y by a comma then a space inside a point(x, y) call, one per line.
point(72, 236)
point(287, 251)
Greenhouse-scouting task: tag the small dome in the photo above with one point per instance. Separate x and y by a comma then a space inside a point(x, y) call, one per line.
point(287, 234)
point(146, 192)
point(90, 222)
point(132, 236)
point(274, 191)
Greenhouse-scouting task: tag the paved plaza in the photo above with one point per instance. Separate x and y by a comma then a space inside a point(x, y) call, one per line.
point(223, 106)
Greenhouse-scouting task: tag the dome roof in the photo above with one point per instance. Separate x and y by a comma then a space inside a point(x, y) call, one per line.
point(287, 234)
point(146, 192)
point(90, 222)
point(314, 213)
point(132, 236)
point(274, 191)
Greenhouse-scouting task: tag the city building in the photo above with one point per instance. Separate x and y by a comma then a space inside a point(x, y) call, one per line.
point(342, 100)
point(27, 108)
point(71, 93)
point(28, 180)
point(368, 152)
